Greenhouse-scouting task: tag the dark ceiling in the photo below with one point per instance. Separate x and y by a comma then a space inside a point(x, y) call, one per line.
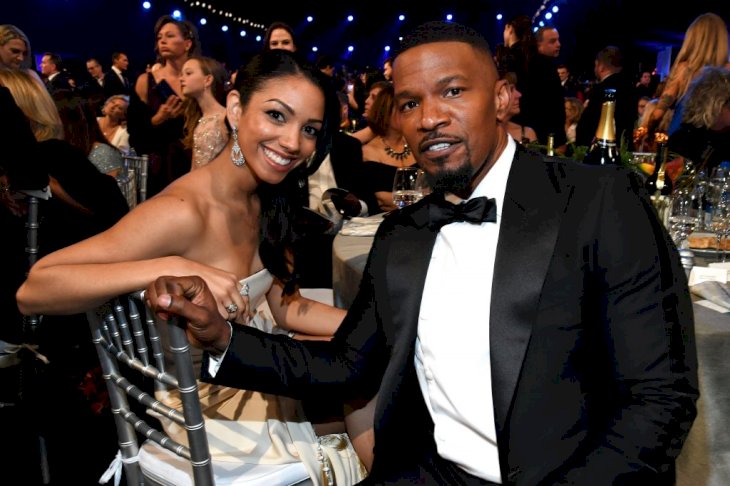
point(82, 28)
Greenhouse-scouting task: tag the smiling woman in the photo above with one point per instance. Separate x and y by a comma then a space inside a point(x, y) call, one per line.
point(232, 224)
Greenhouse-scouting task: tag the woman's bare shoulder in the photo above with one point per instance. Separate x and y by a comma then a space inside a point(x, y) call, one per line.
point(141, 86)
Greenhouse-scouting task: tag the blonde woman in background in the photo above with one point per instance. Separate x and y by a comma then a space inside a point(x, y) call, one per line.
point(14, 48)
point(113, 122)
point(705, 44)
point(203, 85)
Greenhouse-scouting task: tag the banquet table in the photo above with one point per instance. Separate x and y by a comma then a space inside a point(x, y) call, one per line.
point(705, 458)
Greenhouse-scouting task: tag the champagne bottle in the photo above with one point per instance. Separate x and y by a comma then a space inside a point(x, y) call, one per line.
point(551, 145)
point(658, 183)
point(603, 151)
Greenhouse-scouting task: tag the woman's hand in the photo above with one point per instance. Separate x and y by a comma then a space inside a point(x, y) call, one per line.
point(230, 296)
point(172, 108)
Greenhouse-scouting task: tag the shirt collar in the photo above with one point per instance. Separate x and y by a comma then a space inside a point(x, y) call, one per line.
point(494, 183)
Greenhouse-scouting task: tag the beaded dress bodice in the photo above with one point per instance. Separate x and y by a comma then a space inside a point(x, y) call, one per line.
point(209, 139)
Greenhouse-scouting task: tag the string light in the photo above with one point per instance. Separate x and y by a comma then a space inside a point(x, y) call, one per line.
point(228, 16)
point(542, 8)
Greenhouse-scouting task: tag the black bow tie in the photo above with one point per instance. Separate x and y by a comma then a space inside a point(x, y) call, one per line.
point(477, 210)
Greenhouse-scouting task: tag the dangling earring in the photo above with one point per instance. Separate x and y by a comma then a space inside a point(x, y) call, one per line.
point(308, 161)
point(236, 154)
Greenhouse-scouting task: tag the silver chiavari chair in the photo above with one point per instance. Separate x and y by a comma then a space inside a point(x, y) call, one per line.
point(121, 331)
point(132, 179)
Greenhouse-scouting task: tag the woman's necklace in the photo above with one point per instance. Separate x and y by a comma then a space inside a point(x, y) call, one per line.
point(396, 155)
point(109, 131)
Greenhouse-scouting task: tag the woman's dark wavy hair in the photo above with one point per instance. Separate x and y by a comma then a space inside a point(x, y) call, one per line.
point(280, 233)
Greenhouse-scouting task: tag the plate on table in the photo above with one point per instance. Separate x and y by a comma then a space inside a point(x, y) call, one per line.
point(709, 242)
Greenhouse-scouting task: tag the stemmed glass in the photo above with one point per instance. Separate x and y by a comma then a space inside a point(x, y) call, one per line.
point(684, 216)
point(408, 186)
point(720, 223)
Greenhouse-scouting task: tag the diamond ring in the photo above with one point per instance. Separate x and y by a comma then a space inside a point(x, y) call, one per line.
point(231, 308)
point(244, 290)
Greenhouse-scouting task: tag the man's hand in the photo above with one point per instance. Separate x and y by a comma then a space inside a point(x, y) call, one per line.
point(190, 298)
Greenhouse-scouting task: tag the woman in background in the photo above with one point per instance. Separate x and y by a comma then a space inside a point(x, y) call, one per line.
point(279, 36)
point(704, 135)
point(83, 132)
point(155, 118)
point(573, 111)
point(521, 133)
point(203, 85)
point(705, 44)
point(113, 122)
point(14, 48)
point(386, 152)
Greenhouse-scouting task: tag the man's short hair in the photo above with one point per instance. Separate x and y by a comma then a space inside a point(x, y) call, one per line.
point(611, 57)
point(54, 59)
point(117, 55)
point(441, 31)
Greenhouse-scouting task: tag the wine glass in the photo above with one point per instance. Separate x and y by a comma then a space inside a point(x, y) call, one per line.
point(408, 186)
point(720, 224)
point(684, 216)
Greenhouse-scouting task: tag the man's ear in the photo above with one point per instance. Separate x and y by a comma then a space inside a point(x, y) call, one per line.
point(502, 98)
point(233, 108)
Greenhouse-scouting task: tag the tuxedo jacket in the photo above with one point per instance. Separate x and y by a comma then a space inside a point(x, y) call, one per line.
point(62, 81)
point(593, 359)
point(113, 85)
point(624, 114)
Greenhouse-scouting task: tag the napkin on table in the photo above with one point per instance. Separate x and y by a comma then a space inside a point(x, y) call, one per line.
point(362, 226)
point(716, 292)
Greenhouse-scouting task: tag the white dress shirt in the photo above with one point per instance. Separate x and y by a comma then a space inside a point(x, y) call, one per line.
point(452, 347)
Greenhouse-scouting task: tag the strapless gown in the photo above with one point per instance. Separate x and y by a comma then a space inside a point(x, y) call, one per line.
point(260, 428)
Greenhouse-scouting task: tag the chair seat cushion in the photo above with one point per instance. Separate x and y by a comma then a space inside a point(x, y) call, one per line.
point(166, 468)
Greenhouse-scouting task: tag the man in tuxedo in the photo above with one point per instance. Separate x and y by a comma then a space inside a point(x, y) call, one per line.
point(55, 78)
point(116, 81)
point(608, 68)
point(538, 333)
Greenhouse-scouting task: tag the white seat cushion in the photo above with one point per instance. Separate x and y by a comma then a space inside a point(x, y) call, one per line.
point(167, 468)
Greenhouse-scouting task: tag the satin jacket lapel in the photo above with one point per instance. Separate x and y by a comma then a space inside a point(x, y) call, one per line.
point(533, 207)
point(408, 261)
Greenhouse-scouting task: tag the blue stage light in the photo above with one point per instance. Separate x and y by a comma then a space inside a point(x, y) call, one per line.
point(203, 21)
point(224, 28)
point(449, 17)
point(499, 16)
point(146, 5)
point(350, 48)
point(401, 17)
point(310, 18)
point(176, 15)
point(350, 18)
point(243, 33)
